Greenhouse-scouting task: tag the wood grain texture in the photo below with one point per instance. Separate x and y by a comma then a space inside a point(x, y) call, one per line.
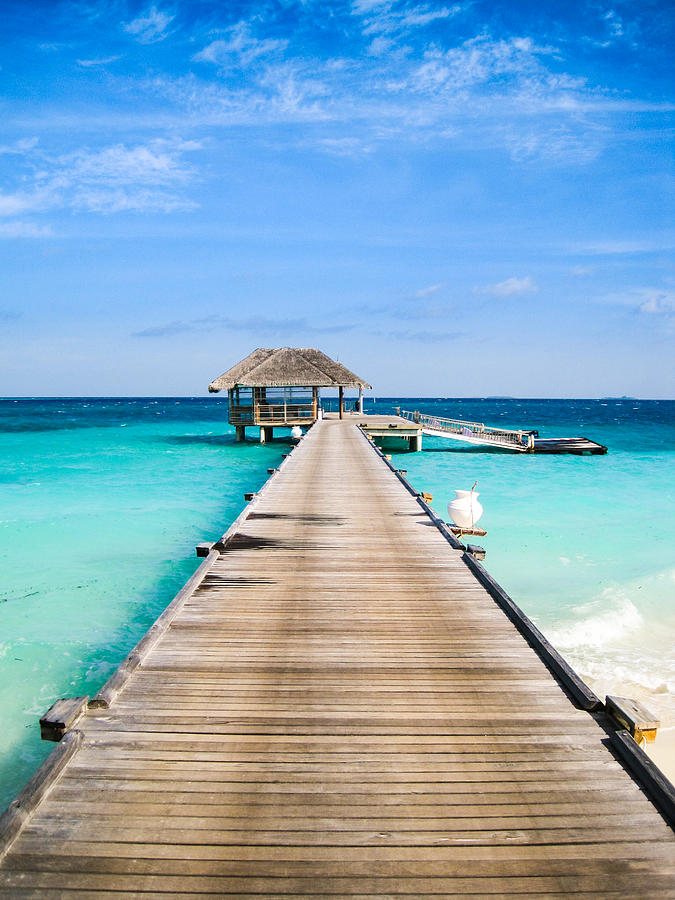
point(340, 709)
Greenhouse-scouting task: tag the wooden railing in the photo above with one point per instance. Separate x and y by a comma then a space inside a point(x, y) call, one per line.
point(241, 415)
point(520, 440)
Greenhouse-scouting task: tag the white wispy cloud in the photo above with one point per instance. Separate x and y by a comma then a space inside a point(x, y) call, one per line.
point(240, 44)
point(117, 179)
point(425, 335)
point(655, 301)
point(20, 202)
point(557, 142)
point(483, 60)
point(345, 146)
point(397, 18)
point(653, 304)
point(116, 200)
point(432, 289)
point(158, 162)
point(423, 15)
point(10, 230)
point(151, 26)
point(531, 107)
point(92, 63)
point(148, 177)
point(20, 147)
point(614, 23)
point(253, 324)
point(509, 287)
point(619, 247)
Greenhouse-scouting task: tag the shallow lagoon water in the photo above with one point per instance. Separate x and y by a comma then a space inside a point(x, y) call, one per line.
point(101, 506)
point(103, 501)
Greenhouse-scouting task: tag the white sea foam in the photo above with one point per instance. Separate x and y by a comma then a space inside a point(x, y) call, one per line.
point(605, 621)
point(622, 642)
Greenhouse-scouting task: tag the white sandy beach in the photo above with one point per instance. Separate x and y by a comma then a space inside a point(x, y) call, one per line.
point(662, 751)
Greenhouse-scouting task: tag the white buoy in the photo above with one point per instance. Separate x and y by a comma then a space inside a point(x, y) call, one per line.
point(296, 432)
point(465, 510)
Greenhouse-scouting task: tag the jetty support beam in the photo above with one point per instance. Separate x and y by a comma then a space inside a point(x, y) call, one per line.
point(415, 442)
point(266, 433)
point(61, 716)
point(240, 433)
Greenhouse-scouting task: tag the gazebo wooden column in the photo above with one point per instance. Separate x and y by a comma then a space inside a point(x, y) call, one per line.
point(341, 394)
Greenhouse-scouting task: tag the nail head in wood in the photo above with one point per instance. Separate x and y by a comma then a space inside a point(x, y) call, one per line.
point(61, 716)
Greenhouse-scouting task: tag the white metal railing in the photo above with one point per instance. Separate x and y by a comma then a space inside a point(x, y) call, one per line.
point(522, 440)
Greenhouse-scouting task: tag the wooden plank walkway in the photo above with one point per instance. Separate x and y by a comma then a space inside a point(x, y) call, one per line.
point(341, 709)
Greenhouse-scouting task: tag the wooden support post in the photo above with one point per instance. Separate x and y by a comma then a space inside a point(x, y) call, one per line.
point(360, 401)
point(476, 551)
point(240, 433)
point(640, 722)
point(341, 394)
point(266, 433)
point(415, 442)
point(61, 716)
point(204, 549)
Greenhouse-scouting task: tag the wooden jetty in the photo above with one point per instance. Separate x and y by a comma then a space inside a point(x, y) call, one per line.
point(411, 425)
point(341, 703)
point(279, 387)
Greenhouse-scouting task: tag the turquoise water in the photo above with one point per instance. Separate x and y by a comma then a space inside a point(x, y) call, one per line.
point(101, 506)
point(103, 501)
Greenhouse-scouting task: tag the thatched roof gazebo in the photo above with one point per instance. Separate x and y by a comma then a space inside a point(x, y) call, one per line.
point(281, 387)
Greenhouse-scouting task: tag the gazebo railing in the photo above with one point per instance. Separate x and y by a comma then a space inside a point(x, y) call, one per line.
point(284, 412)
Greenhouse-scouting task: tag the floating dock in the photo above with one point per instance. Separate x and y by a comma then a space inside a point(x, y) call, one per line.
point(410, 426)
point(340, 703)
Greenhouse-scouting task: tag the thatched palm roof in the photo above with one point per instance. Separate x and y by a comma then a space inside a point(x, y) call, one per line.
point(287, 367)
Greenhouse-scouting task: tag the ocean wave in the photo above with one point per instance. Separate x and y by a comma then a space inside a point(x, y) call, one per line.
point(622, 642)
point(610, 618)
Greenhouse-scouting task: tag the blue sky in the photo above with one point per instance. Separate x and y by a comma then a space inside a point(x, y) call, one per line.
point(454, 199)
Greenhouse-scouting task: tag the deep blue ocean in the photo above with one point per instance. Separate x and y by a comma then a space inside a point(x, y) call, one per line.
point(102, 502)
